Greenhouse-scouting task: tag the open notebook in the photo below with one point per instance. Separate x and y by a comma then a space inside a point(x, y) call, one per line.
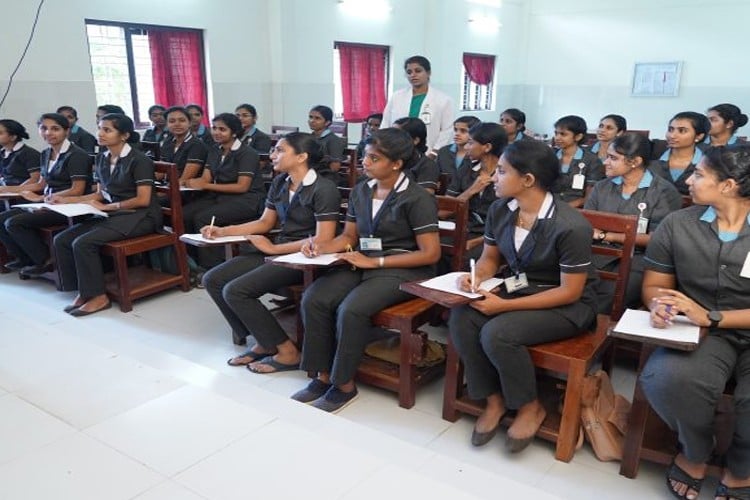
point(66, 209)
point(636, 325)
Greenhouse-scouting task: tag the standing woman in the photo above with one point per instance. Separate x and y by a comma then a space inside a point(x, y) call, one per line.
point(65, 172)
point(725, 119)
point(610, 126)
point(19, 163)
point(686, 130)
point(513, 120)
point(125, 189)
point(425, 170)
point(630, 189)
point(181, 147)
point(694, 251)
point(232, 186)
point(302, 204)
point(252, 136)
point(393, 223)
point(548, 294)
point(486, 143)
point(422, 101)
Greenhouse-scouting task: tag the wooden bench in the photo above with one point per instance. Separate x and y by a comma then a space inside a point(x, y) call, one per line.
point(570, 359)
point(127, 284)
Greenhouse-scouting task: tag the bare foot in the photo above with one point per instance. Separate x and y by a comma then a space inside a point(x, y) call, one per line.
point(284, 359)
point(255, 353)
point(731, 481)
point(697, 471)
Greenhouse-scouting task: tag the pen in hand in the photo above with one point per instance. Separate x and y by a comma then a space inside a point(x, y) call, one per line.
point(473, 268)
point(211, 226)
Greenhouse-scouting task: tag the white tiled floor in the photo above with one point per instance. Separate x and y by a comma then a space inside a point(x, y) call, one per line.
point(143, 406)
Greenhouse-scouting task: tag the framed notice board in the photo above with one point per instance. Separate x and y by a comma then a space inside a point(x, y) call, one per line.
point(656, 79)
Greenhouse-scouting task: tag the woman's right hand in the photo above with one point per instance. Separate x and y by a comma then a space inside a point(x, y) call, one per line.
point(464, 282)
point(210, 232)
point(661, 314)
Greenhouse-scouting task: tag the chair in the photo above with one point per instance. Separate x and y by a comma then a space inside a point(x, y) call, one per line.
point(341, 129)
point(645, 133)
point(151, 149)
point(282, 130)
point(444, 180)
point(571, 358)
point(408, 316)
point(128, 284)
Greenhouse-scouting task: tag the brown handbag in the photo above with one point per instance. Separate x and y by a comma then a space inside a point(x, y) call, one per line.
point(604, 416)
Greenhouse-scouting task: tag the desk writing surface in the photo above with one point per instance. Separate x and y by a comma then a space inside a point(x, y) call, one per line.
point(636, 325)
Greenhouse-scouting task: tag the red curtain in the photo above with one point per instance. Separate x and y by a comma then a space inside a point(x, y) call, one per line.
point(362, 80)
point(177, 68)
point(480, 68)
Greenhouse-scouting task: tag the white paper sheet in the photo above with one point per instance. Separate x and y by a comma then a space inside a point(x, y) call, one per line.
point(66, 209)
point(635, 322)
point(448, 283)
point(221, 240)
point(299, 258)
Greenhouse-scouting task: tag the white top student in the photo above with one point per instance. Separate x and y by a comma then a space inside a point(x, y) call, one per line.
point(422, 101)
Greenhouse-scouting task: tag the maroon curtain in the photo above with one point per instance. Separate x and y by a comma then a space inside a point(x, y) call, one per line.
point(177, 68)
point(362, 80)
point(480, 68)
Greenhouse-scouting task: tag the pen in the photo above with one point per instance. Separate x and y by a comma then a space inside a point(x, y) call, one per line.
point(473, 267)
point(310, 243)
point(211, 226)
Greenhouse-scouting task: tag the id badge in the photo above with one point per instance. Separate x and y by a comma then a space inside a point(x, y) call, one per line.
point(426, 117)
point(745, 272)
point(370, 244)
point(579, 180)
point(642, 225)
point(517, 282)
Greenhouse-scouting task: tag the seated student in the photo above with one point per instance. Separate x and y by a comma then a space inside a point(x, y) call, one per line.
point(197, 127)
point(474, 184)
point(630, 189)
point(686, 130)
point(252, 136)
point(371, 125)
point(424, 171)
point(548, 293)
point(453, 157)
point(394, 224)
point(694, 251)
point(610, 126)
point(19, 163)
point(725, 119)
point(65, 172)
point(233, 190)
point(305, 206)
point(579, 168)
point(78, 135)
point(125, 188)
point(159, 131)
point(513, 121)
point(333, 146)
point(114, 109)
point(181, 147)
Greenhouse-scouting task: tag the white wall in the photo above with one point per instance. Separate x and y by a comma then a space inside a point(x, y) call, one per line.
point(581, 54)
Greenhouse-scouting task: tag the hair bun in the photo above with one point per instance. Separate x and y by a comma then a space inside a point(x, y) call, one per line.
point(741, 120)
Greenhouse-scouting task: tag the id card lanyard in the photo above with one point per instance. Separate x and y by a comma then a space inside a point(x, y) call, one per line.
point(371, 223)
point(520, 262)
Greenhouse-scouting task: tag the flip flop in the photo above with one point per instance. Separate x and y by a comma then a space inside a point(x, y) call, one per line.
point(741, 492)
point(677, 473)
point(277, 367)
point(254, 356)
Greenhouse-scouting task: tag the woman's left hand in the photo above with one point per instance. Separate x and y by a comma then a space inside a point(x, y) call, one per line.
point(491, 304)
point(31, 196)
point(678, 302)
point(261, 243)
point(359, 260)
point(100, 206)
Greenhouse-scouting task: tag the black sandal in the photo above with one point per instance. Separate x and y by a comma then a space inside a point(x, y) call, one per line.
point(738, 493)
point(676, 473)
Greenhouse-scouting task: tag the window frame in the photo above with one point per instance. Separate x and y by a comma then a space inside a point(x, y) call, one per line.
point(339, 114)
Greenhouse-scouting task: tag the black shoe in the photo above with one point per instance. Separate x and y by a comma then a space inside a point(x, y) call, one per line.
point(334, 400)
point(315, 389)
point(482, 438)
point(36, 270)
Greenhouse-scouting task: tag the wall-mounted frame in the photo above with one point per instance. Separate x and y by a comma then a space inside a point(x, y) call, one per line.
point(656, 79)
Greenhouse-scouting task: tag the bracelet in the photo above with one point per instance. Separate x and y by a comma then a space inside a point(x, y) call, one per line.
point(381, 262)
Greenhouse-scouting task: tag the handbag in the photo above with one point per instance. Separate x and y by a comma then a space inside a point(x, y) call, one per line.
point(604, 416)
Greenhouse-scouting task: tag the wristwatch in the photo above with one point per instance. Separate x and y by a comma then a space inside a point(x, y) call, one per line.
point(715, 318)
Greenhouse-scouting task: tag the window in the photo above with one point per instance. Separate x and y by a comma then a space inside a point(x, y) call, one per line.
point(478, 71)
point(136, 66)
point(360, 75)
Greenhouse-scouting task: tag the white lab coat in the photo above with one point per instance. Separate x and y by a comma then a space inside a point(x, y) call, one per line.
point(437, 108)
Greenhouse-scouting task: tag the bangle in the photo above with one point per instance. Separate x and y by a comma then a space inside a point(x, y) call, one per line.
point(381, 262)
